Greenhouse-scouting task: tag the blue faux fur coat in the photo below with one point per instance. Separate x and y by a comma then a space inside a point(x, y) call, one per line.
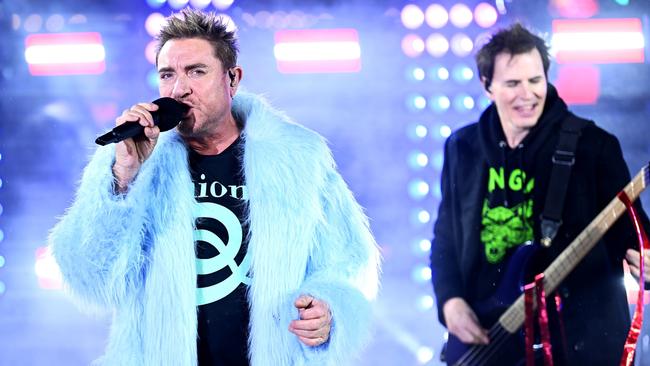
point(134, 253)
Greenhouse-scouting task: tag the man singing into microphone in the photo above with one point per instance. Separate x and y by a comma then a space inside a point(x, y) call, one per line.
point(230, 240)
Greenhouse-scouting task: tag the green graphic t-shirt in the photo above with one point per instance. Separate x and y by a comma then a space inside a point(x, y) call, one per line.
point(507, 212)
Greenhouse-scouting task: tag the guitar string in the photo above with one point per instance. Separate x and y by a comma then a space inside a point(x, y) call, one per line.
point(478, 354)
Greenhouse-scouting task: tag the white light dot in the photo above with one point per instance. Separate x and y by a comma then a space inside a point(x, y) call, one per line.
point(424, 216)
point(424, 245)
point(419, 102)
point(443, 73)
point(422, 159)
point(200, 4)
point(177, 4)
point(425, 354)
point(420, 131)
point(222, 4)
point(460, 15)
point(436, 16)
point(437, 45)
point(425, 302)
point(443, 102)
point(445, 131)
point(468, 102)
point(412, 16)
point(418, 73)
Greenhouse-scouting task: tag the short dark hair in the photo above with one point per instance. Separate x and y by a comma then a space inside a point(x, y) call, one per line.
point(514, 40)
point(190, 23)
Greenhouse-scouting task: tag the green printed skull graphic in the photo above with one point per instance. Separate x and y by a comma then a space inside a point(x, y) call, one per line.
point(504, 228)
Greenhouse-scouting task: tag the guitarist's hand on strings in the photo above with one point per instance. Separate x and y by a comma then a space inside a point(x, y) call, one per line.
point(632, 258)
point(463, 323)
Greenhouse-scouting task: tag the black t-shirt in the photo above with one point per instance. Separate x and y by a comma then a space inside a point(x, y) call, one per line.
point(222, 263)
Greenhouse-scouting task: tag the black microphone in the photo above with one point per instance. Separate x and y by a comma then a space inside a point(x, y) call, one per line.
point(167, 116)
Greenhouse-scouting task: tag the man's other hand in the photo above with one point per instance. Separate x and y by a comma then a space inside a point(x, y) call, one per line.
point(463, 323)
point(313, 327)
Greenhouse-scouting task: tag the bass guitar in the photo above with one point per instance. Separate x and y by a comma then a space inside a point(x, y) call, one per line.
point(509, 295)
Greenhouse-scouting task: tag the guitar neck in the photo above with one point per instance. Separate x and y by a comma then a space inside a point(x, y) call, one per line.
point(513, 318)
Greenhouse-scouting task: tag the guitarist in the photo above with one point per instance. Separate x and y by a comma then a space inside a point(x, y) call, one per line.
point(494, 182)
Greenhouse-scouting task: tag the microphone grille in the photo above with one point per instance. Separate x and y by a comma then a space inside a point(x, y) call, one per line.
point(169, 113)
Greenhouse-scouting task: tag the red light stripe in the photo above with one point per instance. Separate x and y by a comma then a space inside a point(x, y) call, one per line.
point(597, 25)
point(67, 69)
point(317, 35)
point(317, 50)
point(63, 38)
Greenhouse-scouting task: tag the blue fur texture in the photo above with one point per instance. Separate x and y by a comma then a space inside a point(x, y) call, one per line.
point(134, 253)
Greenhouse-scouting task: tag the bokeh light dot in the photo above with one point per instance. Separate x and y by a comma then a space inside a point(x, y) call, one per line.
point(15, 21)
point(412, 16)
point(445, 131)
point(460, 15)
point(412, 45)
point(436, 16)
point(425, 302)
point(2, 288)
point(177, 4)
point(424, 354)
point(153, 79)
point(418, 189)
point(419, 102)
point(422, 159)
point(200, 4)
point(437, 45)
point(418, 74)
point(485, 15)
point(222, 4)
point(424, 245)
point(461, 45)
point(424, 216)
point(154, 23)
point(2, 261)
point(33, 23)
point(420, 131)
point(443, 73)
point(468, 102)
point(150, 51)
point(55, 23)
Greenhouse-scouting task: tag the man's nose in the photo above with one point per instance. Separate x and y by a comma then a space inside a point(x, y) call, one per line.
point(526, 90)
point(181, 87)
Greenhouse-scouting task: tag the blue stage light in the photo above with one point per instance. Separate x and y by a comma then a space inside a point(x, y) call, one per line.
point(462, 73)
point(440, 103)
point(418, 160)
point(418, 189)
point(415, 102)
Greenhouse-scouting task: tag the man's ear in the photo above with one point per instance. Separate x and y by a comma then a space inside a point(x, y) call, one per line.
point(486, 87)
point(235, 74)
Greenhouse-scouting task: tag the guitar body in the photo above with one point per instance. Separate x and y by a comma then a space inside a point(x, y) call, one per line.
point(488, 311)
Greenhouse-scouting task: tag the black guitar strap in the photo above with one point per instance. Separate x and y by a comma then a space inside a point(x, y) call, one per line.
point(563, 160)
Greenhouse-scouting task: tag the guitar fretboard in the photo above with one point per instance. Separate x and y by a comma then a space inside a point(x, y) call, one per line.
point(513, 318)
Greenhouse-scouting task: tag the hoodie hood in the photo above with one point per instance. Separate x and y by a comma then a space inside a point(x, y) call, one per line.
point(492, 140)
